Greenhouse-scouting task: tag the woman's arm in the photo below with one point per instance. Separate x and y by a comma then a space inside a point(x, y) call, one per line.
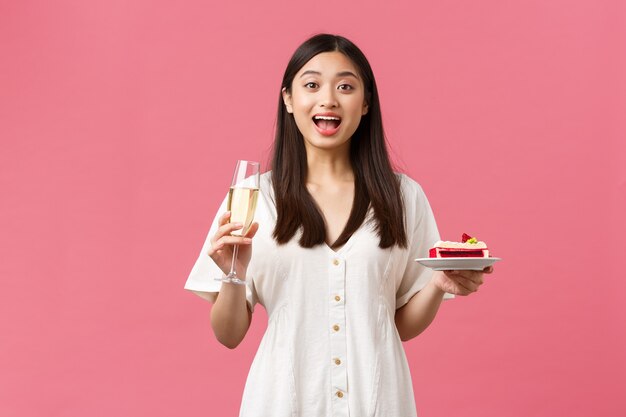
point(230, 316)
point(416, 315)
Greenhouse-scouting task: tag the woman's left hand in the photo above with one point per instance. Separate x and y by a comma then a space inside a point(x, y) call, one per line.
point(461, 282)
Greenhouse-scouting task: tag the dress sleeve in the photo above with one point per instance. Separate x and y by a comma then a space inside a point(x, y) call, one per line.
point(422, 234)
point(202, 281)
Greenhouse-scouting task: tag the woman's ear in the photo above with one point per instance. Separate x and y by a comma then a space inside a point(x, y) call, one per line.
point(287, 100)
point(365, 108)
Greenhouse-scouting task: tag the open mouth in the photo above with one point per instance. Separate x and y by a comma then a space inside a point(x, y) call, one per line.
point(327, 123)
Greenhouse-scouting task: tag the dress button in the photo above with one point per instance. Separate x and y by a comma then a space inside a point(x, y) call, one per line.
point(336, 327)
point(339, 394)
point(336, 261)
point(337, 298)
point(337, 361)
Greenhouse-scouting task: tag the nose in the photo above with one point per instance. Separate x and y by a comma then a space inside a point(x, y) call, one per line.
point(328, 98)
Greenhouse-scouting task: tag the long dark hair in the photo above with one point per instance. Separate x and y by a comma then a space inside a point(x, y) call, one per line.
point(375, 182)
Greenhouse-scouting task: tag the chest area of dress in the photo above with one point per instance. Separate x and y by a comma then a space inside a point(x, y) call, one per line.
point(359, 262)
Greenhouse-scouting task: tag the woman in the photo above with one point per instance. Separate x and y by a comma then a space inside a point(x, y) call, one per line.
point(335, 239)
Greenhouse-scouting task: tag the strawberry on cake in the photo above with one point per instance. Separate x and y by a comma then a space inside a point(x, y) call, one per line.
point(470, 247)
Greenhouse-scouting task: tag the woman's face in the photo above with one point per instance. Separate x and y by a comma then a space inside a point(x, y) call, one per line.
point(327, 100)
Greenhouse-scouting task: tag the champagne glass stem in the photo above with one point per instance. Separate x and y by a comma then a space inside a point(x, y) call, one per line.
point(233, 273)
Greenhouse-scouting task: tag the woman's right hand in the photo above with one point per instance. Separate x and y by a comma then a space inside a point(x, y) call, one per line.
point(222, 245)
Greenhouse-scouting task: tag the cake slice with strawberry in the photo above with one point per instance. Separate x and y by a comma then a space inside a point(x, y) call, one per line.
point(469, 247)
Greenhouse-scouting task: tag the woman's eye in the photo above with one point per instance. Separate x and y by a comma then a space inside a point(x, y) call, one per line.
point(310, 85)
point(345, 87)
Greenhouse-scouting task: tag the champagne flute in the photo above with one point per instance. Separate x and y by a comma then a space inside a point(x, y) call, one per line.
point(242, 197)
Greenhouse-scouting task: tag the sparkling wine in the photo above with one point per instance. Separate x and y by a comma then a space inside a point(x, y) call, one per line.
point(241, 204)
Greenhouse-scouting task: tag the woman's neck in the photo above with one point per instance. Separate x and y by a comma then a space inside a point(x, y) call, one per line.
point(328, 166)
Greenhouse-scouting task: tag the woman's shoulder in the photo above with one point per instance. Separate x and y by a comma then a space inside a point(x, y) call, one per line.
point(266, 177)
point(266, 190)
point(266, 182)
point(416, 203)
point(408, 186)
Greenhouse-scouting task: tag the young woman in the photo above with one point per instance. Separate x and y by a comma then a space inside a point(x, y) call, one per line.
point(331, 254)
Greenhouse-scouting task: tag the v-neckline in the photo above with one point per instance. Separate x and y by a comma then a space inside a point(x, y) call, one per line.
point(345, 245)
point(351, 239)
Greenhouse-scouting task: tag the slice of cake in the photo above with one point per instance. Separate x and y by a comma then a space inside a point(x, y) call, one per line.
point(470, 247)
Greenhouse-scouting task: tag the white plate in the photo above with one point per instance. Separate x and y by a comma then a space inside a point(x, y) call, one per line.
point(446, 264)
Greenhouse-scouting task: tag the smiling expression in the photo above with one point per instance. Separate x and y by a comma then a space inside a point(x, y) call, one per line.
point(327, 100)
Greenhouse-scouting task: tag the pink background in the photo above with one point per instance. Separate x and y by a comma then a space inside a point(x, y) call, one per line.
point(120, 123)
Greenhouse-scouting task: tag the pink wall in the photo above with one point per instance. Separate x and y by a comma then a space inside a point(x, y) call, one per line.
point(119, 126)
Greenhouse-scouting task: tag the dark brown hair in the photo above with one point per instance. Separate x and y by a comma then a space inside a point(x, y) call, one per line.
point(375, 182)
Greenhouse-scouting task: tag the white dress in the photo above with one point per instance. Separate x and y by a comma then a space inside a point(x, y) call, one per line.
point(331, 347)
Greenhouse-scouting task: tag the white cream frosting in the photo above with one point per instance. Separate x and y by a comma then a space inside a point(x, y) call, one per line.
point(459, 245)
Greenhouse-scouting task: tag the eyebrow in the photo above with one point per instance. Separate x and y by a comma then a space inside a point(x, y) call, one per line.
point(339, 74)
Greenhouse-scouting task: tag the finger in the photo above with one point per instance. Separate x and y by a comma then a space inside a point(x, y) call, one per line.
point(474, 276)
point(227, 229)
point(224, 218)
point(252, 230)
point(222, 243)
point(462, 291)
point(459, 283)
point(466, 284)
point(453, 275)
point(233, 240)
point(459, 289)
point(459, 273)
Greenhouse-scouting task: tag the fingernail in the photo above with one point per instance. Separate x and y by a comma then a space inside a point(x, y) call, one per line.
point(238, 224)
